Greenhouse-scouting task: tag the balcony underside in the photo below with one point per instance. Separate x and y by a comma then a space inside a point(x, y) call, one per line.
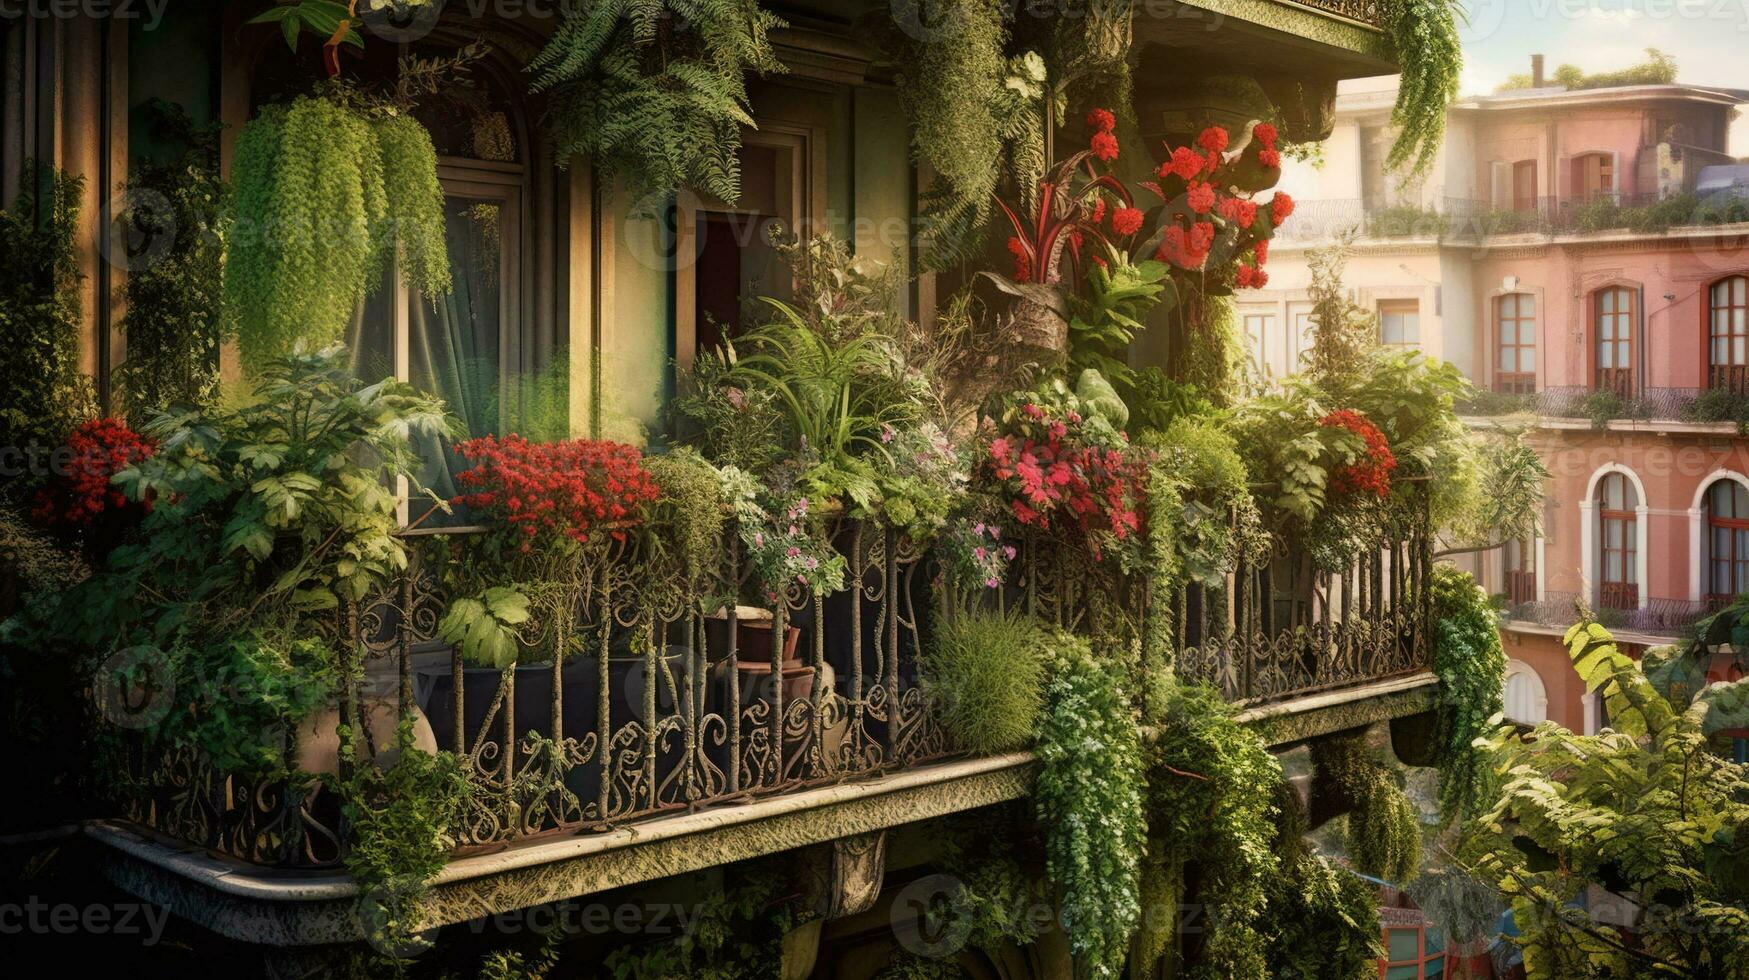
point(1315, 40)
point(289, 909)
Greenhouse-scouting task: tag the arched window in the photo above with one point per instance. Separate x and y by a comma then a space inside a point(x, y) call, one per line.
point(1527, 701)
point(1618, 519)
point(1515, 344)
point(1727, 518)
point(1614, 311)
point(1728, 321)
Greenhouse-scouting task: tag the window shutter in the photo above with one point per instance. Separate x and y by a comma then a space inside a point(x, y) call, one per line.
point(1502, 188)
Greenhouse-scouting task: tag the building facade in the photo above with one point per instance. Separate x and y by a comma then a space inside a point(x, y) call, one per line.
point(1581, 257)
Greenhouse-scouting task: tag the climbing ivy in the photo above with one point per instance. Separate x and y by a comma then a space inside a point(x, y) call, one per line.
point(44, 395)
point(1384, 828)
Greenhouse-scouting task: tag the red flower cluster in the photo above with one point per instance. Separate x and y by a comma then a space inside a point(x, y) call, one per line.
point(97, 451)
point(1280, 208)
point(578, 488)
point(1213, 139)
point(1250, 277)
point(1373, 475)
point(1126, 221)
point(1103, 143)
point(1187, 250)
point(1266, 136)
point(1200, 196)
point(1053, 477)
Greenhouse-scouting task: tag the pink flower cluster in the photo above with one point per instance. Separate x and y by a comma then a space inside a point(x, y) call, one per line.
point(1053, 477)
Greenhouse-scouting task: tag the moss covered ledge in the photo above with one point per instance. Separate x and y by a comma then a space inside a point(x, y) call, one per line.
point(286, 909)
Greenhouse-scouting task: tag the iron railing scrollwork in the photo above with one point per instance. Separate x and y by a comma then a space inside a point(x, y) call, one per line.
point(662, 706)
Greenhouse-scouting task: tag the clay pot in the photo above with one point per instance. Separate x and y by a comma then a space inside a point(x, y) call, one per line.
point(752, 636)
point(318, 737)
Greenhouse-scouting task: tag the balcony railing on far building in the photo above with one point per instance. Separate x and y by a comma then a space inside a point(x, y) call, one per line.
point(1617, 608)
point(1471, 220)
point(1602, 405)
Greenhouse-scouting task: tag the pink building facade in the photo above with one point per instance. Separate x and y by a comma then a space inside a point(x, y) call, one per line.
point(1570, 253)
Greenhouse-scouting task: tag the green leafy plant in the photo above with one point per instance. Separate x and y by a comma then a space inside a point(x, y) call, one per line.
point(1322, 920)
point(1658, 69)
point(1720, 405)
point(738, 930)
point(1089, 798)
point(45, 394)
point(398, 817)
point(985, 671)
point(1211, 799)
point(655, 90)
point(485, 627)
point(1383, 826)
point(1471, 664)
point(324, 193)
point(1104, 322)
point(174, 316)
point(1642, 811)
point(1425, 36)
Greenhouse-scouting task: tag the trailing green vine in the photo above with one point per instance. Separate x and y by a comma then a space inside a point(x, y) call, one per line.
point(655, 90)
point(1089, 798)
point(1212, 824)
point(1424, 35)
point(1384, 828)
point(325, 191)
point(1323, 920)
point(1471, 664)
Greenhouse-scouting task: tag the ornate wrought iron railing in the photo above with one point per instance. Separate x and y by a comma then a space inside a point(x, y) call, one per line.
point(1673, 618)
point(666, 702)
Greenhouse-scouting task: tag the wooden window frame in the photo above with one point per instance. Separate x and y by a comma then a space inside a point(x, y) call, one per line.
point(1731, 374)
point(1518, 382)
point(1400, 307)
point(1621, 380)
point(1731, 525)
point(1623, 593)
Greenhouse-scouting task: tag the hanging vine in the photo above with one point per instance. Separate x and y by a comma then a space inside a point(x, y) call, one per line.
point(1425, 36)
point(1471, 664)
point(326, 189)
point(1384, 828)
point(655, 90)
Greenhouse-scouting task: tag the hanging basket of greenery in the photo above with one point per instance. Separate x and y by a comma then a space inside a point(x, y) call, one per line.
point(325, 193)
point(656, 90)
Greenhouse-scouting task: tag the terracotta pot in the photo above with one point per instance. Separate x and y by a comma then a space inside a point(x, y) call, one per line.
point(318, 737)
point(798, 678)
point(752, 636)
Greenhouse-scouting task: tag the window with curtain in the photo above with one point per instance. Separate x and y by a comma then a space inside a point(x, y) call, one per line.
point(1618, 532)
point(1727, 544)
point(1515, 344)
point(1728, 340)
point(1400, 322)
point(1593, 176)
point(1614, 311)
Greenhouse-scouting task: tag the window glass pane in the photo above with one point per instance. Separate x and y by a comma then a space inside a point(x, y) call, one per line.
point(1403, 944)
point(1526, 305)
point(1527, 359)
point(1739, 353)
point(1739, 290)
point(1739, 499)
point(1402, 973)
point(1508, 306)
point(1509, 332)
point(1509, 360)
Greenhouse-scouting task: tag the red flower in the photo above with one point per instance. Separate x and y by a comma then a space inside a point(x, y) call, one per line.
point(82, 493)
point(1022, 264)
point(1126, 221)
point(1098, 214)
point(1185, 164)
point(1104, 146)
point(1281, 207)
point(1187, 250)
point(1262, 250)
point(1269, 158)
point(1213, 139)
point(1239, 211)
point(1266, 134)
point(1101, 120)
point(1200, 197)
point(579, 489)
point(1372, 474)
point(1250, 277)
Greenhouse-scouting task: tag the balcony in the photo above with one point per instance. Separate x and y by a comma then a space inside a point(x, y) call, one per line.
point(1715, 410)
point(682, 716)
point(1470, 221)
point(1659, 620)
